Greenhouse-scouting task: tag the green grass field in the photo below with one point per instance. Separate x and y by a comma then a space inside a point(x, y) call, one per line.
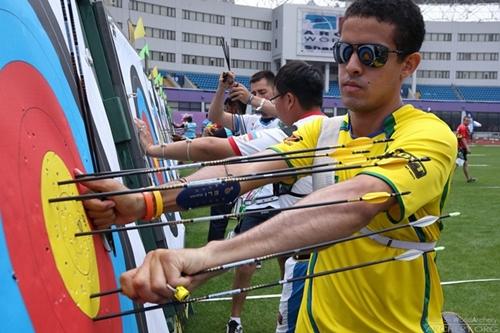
point(472, 244)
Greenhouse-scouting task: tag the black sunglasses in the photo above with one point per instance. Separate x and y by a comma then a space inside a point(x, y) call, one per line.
point(371, 55)
point(276, 96)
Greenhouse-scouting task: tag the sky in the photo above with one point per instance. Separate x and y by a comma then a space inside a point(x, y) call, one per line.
point(486, 12)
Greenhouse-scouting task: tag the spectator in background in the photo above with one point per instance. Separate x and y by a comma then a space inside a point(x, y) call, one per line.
point(464, 138)
point(205, 123)
point(189, 127)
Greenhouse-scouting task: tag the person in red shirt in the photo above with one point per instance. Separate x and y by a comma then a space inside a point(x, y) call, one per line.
point(464, 137)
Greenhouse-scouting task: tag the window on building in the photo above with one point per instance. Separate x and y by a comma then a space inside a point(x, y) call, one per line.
point(114, 3)
point(159, 33)
point(436, 55)
point(250, 23)
point(477, 56)
point(189, 106)
point(250, 64)
point(162, 56)
point(479, 37)
point(200, 39)
point(250, 44)
point(433, 74)
point(477, 75)
point(150, 8)
point(202, 60)
point(438, 37)
point(202, 17)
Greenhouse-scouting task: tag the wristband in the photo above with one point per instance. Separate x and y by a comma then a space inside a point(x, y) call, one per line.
point(249, 101)
point(163, 145)
point(200, 194)
point(261, 104)
point(158, 203)
point(148, 201)
point(188, 155)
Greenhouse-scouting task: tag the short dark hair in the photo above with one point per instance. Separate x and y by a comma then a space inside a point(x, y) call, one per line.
point(304, 81)
point(405, 15)
point(268, 75)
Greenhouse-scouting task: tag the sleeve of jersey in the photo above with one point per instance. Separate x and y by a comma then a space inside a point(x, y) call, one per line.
point(306, 137)
point(425, 180)
point(256, 141)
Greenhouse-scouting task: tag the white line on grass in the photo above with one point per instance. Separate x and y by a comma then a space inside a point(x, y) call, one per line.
point(447, 283)
point(479, 165)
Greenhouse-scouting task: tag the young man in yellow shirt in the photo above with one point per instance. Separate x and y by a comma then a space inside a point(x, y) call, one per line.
point(378, 49)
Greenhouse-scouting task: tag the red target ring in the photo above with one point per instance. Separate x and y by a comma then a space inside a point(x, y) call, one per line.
point(35, 125)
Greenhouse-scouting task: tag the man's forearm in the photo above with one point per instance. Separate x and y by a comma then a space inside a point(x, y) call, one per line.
point(216, 110)
point(170, 196)
point(200, 149)
point(298, 228)
point(267, 107)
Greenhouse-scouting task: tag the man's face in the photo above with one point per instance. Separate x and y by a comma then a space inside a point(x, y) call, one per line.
point(364, 88)
point(261, 89)
point(466, 121)
point(282, 109)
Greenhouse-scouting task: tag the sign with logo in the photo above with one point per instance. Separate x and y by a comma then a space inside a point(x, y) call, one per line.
point(317, 32)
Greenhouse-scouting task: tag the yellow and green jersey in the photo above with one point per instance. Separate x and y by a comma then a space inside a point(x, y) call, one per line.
point(397, 296)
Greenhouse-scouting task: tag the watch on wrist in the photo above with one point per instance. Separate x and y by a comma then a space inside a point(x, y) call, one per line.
point(249, 101)
point(261, 104)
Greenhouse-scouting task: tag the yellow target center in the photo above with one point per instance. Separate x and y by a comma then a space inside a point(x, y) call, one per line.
point(74, 256)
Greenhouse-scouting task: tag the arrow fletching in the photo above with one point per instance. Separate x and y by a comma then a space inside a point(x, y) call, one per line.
point(453, 214)
point(341, 152)
point(361, 142)
point(376, 197)
point(425, 221)
point(392, 161)
point(352, 159)
point(409, 255)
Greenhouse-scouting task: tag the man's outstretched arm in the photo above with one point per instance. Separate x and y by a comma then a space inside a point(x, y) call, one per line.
point(286, 231)
point(131, 207)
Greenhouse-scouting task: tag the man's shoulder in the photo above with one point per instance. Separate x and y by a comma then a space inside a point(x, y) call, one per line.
point(461, 128)
point(273, 135)
point(415, 117)
point(250, 117)
point(415, 122)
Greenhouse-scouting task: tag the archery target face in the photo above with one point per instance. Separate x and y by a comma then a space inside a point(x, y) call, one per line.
point(75, 256)
point(42, 141)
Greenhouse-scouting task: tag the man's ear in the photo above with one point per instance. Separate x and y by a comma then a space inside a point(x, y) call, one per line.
point(410, 64)
point(291, 99)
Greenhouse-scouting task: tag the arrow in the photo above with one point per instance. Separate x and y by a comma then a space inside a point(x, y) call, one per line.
point(406, 256)
point(362, 143)
point(393, 161)
point(420, 223)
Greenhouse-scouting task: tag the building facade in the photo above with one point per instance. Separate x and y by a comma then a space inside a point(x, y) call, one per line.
point(184, 35)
